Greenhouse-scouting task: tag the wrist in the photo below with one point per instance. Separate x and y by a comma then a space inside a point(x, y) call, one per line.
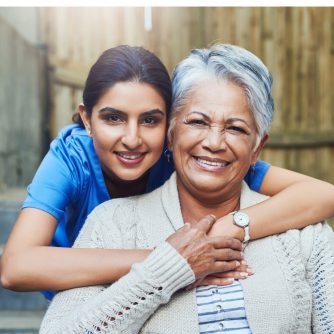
point(242, 220)
point(225, 227)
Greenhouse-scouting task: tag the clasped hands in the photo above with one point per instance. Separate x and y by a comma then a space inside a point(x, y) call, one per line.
point(215, 260)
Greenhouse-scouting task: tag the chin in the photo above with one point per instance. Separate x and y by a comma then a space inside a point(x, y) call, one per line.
point(130, 176)
point(208, 186)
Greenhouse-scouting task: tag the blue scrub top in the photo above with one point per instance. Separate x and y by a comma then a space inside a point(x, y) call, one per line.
point(69, 183)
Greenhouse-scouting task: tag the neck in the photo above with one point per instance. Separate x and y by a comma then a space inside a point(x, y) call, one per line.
point(194, 207)
point(121, 188)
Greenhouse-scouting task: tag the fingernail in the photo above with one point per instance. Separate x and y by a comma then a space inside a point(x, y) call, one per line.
point(250, 271)
point(242, 254)
point(243, 275)
point(229, 280)
point(237, 263)
point(243, 262)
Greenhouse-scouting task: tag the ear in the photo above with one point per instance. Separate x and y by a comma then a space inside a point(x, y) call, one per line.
point(259, 148)
point(84, 116)
point(170, 140)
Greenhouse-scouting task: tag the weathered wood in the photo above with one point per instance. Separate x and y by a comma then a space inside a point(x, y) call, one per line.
point(297, 45)
point(21, 108)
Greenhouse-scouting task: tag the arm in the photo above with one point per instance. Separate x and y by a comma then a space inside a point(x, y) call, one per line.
point(297, 201)
point(125, 305)
point(29, 263)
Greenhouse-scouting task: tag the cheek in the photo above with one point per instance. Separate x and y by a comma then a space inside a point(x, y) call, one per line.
point(183, 139)
point(154, 138)
point(105, 138)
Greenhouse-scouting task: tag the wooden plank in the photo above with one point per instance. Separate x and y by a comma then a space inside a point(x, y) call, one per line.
point(301, 139)
point(297, 44)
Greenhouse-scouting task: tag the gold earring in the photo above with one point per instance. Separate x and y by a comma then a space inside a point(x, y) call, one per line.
point(89, 132)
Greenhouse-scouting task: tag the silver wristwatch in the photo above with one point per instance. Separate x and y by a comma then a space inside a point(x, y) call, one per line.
point(242, 220)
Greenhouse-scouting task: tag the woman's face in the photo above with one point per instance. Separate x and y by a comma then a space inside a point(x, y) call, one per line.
point(128, 126)
point(213, 140)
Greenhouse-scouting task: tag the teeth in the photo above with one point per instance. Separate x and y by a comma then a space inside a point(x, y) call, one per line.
point(212, 163)
point(130, 156)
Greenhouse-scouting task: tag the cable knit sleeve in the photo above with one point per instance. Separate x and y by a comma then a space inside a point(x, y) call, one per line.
point(320, 274)
point(124, 306)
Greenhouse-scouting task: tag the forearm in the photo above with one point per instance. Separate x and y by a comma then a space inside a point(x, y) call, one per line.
point(125, 305)
point(55, 268)
point(295, 207)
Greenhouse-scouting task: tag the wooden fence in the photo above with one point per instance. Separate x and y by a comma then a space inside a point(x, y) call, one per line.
point(297, 45)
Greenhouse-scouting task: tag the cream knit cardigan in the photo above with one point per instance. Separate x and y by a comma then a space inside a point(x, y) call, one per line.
point(292, 290)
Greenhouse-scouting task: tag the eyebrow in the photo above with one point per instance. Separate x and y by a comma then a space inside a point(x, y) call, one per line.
point(229, 120)
point(146, 113)
point(236, 119)
point(199, 113)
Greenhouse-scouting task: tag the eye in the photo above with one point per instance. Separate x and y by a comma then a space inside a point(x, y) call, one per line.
point(196, 122)
point(114, 118)
point(236, 129)
point(149, 120)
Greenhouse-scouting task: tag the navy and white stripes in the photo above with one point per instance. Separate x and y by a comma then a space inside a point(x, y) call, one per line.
point(221, 309)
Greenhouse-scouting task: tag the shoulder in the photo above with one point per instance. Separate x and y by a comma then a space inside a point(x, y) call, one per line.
point(125, 207)
point(75, 149)
point(316, 240)
point(71, 138)
point(312, 244)
point(108, 209)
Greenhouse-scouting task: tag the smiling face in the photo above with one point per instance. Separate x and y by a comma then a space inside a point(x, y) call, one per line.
point(128, 126)
point(213, 141)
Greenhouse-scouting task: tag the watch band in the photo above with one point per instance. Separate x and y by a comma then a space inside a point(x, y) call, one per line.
point(244, 226)
point(246, 237)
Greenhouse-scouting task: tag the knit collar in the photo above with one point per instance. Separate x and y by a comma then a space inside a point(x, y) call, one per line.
point(172, 207)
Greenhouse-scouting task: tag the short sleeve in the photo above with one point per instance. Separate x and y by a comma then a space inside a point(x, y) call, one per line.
point(254, 177)
point(54, 184)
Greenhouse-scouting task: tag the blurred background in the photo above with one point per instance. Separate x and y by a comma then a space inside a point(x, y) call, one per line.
point(46, 53)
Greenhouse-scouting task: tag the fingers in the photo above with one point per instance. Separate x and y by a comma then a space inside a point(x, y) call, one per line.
point(234, 274)
point(226, 242)
point(205, 223)
point(224, 266)
point(211, 280)
point(228, 254)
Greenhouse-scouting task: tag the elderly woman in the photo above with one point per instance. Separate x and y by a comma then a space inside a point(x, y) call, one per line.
point(222, 111)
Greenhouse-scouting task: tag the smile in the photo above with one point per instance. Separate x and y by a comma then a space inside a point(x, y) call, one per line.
point(130, 158)
point(210, 163)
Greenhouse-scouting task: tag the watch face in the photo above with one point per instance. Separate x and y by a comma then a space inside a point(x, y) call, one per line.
point(241, 219)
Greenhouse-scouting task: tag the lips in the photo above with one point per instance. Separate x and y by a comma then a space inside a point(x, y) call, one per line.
point(130, 158)
point(211, 163)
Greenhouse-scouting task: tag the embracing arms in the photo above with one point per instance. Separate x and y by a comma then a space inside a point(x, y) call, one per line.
point(297, 201)
point(27, 264)
point(125, 305)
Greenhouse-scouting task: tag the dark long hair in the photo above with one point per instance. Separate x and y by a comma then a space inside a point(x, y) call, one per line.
point(124, 64)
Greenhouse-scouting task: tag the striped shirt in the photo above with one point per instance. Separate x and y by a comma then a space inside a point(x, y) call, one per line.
point(221, 309)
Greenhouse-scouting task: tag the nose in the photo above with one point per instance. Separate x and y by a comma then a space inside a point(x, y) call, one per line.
point(131, 138)
point(215, 139)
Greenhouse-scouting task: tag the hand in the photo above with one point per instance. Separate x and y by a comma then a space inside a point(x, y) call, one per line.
point(206, 255)
point(226, 278)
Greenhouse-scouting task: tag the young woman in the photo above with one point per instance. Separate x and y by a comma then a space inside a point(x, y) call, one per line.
point(115, 151)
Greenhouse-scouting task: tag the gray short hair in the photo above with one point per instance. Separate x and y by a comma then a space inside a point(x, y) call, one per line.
point(231, 63)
